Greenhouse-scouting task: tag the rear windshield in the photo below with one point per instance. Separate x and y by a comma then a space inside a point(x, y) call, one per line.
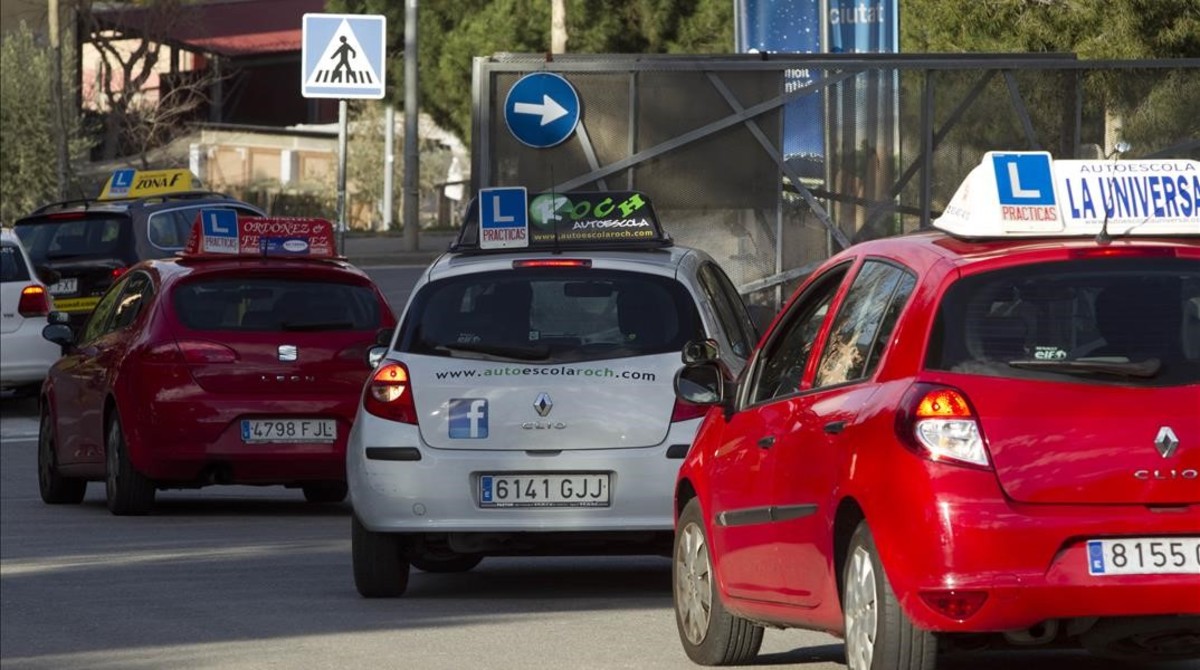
point(12, 265)
point(274, 304)
point(74, 239)
point(551, 315)
point(1134, 321)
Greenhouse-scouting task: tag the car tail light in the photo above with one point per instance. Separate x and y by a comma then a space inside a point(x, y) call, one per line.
point(938, 423)
point(684, 411)
point(956, 604)
point(199, 352)
point(34, 301)
point(389, 394)
point(553, 263)
point(117, 272)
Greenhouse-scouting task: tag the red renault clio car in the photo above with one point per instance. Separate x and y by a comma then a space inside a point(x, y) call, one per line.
point(239, 362)
point(980, 435)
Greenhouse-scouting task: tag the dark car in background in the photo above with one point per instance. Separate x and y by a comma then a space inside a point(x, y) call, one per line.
point(91, 243)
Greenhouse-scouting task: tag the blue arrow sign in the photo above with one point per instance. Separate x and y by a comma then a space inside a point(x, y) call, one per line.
point(541, 110)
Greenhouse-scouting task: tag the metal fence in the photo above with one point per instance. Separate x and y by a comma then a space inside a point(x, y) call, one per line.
point(887, 141)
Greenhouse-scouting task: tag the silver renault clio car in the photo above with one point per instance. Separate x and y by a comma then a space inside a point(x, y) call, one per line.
point(524, 405)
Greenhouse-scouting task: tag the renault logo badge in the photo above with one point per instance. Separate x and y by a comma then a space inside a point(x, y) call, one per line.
point(543, 404)
point(1166, 442)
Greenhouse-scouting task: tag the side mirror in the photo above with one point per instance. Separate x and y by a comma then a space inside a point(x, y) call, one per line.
point(57, 317)
point(383, 340)
point(59, 333)
point(49, 276)
point(700, 351)
point(374, 355)
point(700, 384)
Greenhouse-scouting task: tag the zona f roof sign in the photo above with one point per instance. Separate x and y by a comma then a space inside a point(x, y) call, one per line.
point(343, 56)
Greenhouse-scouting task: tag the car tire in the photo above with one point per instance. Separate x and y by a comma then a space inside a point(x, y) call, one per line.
point(127, 491)
point(878, 634)
point(325, 492)
point(380, 563)
point(446, 563)
point(710, 634)
point(55, 488)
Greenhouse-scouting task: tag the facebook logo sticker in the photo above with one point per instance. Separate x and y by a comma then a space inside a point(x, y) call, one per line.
point(1024, 179)
point(468, 418)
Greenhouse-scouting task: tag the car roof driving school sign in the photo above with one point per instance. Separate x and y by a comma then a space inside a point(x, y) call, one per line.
point(343, 56)
point(503, 217)
point(541, 110)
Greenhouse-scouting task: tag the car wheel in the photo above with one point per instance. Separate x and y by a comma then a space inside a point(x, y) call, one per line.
point(709, 633)
point(380, 563)
point(446, 563)
point(55, 489)
point(878, 633)
point(325, 492)
point(128, 492)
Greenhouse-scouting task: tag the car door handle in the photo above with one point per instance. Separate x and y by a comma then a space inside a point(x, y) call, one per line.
point(835, 427)
point(766, 442)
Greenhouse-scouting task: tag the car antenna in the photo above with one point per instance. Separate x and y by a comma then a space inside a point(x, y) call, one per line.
point(554, 209)
point(1102, 237)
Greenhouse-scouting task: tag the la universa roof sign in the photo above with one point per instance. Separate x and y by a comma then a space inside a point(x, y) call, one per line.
point(1029, 193)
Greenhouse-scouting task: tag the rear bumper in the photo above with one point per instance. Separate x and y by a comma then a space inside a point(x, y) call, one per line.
point(1032, 562)
point(440, 492)
point(199, 441)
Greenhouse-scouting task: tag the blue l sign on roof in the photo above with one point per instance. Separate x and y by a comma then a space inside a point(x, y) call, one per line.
point(1024, 179)
point(541, 110)
point(220, 231)
point(503, 218)
point(343, 56)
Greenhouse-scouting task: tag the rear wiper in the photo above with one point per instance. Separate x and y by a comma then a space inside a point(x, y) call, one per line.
point(61, 255)
point(539, 353)
point(1123, 368)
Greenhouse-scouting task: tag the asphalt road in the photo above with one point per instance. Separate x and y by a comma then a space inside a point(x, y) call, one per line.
point(242, 577)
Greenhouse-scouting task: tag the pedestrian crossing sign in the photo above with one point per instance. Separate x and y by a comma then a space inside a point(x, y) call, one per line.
point(343, 56)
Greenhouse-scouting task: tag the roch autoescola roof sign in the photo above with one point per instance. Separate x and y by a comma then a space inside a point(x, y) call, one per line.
point(1030, 194)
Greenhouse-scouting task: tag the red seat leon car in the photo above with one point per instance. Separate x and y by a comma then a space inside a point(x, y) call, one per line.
point(986, 434)
point(240, 362)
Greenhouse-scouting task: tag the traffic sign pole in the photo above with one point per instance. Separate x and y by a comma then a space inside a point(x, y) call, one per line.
point(343, 56)
point(341, 178)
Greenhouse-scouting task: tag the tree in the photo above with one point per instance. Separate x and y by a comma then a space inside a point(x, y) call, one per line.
point(366, 162)
point(143, 109)
point(453, 32)
point(1146, 107)
point(27, 135)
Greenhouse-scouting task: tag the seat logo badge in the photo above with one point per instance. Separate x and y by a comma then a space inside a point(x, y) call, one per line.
point(288, 352)
point(543, 404)
point(1166, 442)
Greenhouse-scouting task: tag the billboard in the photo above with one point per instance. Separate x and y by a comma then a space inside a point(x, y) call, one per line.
point(819, 27)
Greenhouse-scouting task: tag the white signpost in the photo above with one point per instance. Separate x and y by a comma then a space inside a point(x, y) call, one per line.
point(343, 57)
